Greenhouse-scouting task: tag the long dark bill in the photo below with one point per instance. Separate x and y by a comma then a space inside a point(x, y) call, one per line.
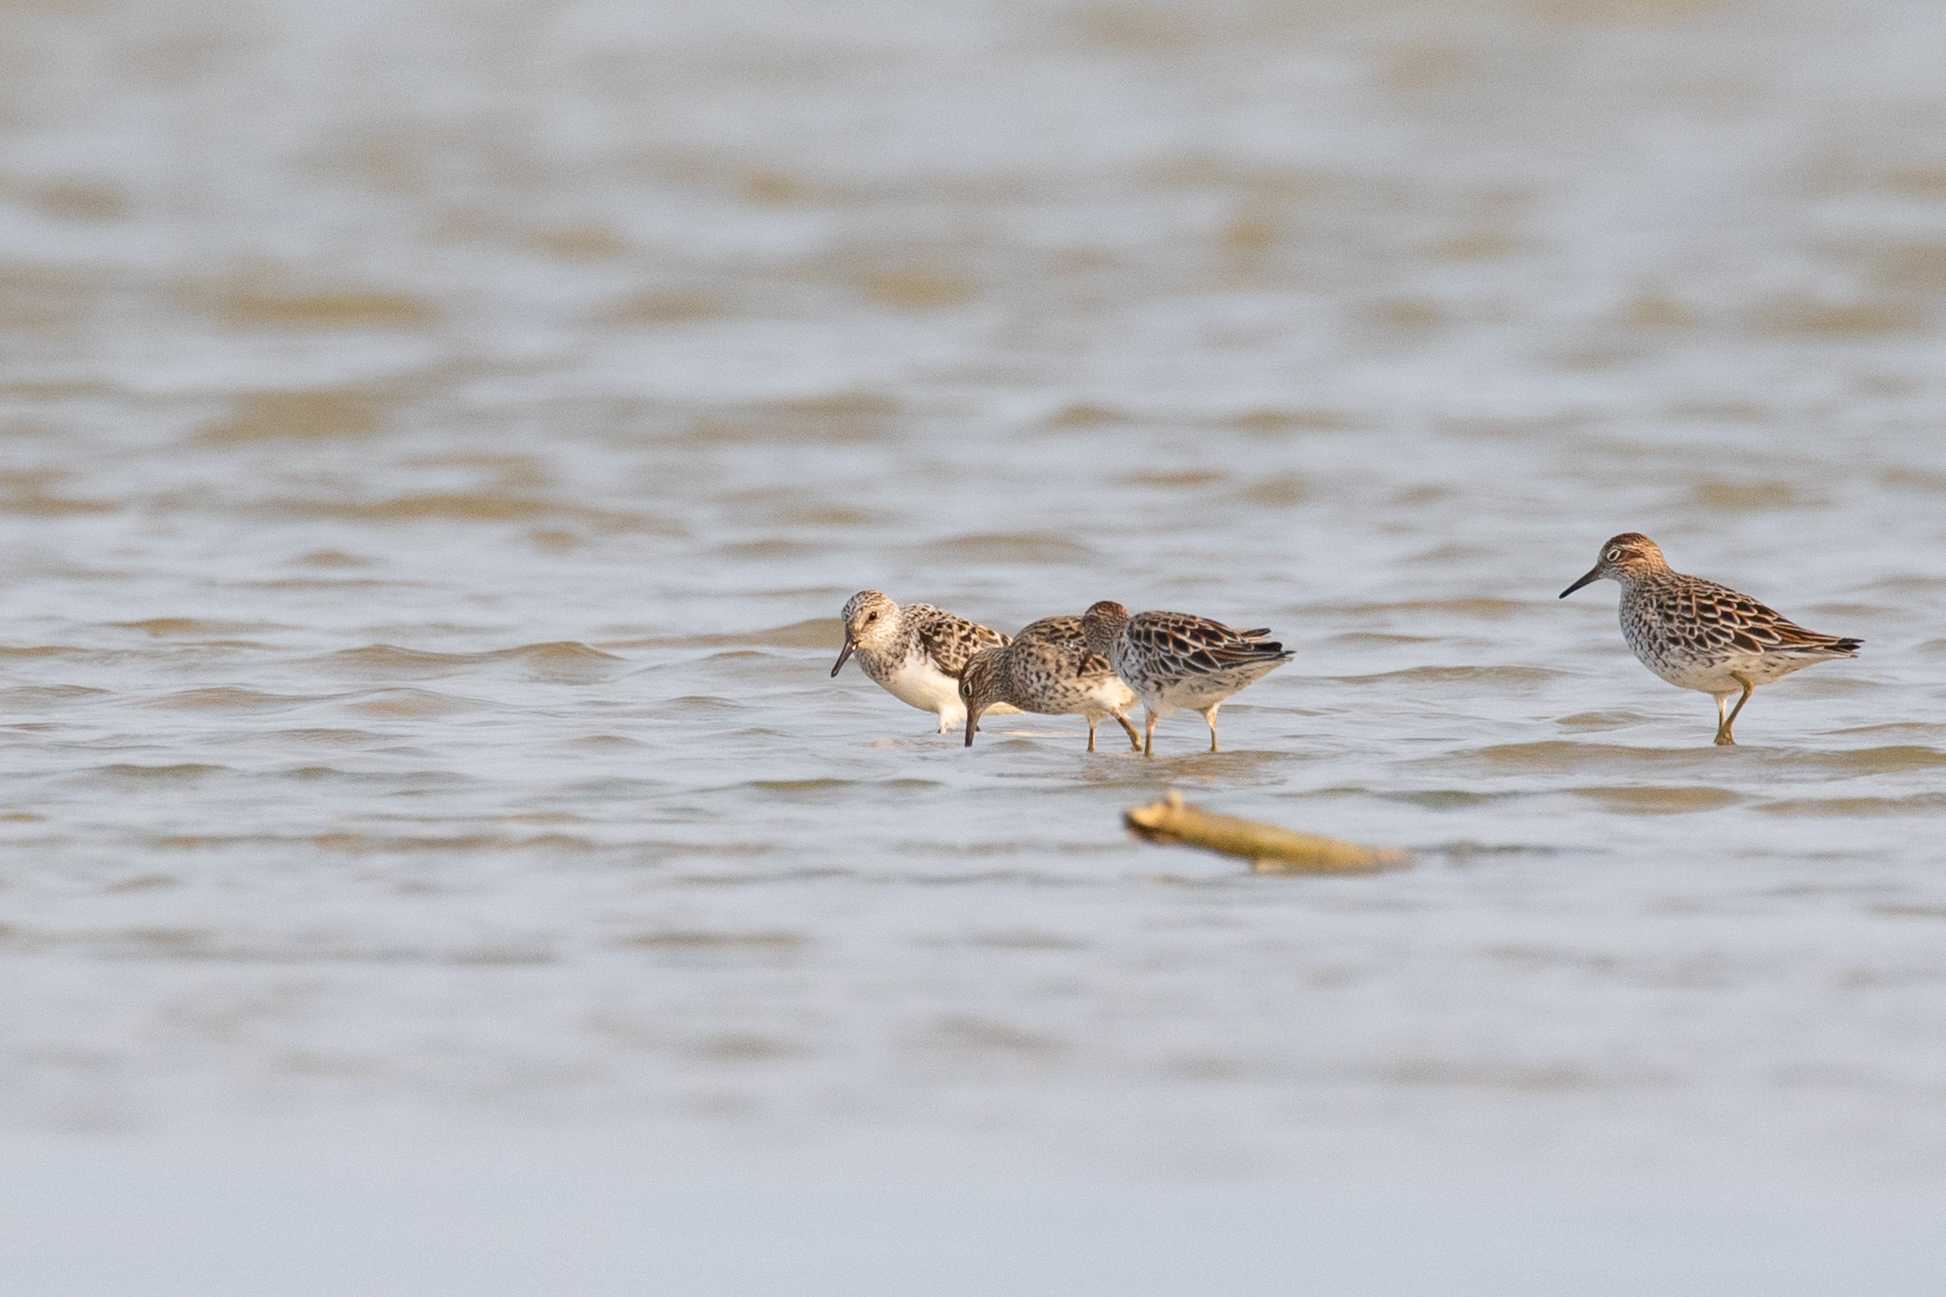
point(1594, 574)
point(972, 724)
point(844, 656)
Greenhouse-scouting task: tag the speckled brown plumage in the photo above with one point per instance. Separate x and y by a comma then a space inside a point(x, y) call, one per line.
point(1047, 669)
point(1699, 635)
point(1177, 659)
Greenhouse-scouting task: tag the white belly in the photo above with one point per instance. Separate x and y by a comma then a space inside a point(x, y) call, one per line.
point(916, 682)
point(1713, 677)
point(1196, 692)
point(1109, 697)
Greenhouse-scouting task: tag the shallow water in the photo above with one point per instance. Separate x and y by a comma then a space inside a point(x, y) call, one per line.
point(438, 440)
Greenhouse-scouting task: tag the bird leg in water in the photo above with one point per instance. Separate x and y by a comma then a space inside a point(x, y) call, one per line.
point(1724, 739)
point(1210, 716)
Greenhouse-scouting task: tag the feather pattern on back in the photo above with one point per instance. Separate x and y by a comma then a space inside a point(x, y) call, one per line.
point(1700, 635)
point(1175, 659)
point(1048, 668)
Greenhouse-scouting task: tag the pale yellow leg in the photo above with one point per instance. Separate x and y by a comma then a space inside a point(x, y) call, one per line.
point(1091, 734)
point(1134, 735)
point(1724, 738)
point(1148, 736)
point(1210, 717)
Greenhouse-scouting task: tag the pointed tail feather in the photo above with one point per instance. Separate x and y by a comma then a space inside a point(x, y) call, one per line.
point(1235, 655)
point(1822, 646)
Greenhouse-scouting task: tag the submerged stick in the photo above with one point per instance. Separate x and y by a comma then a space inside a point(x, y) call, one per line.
point(1269, 849)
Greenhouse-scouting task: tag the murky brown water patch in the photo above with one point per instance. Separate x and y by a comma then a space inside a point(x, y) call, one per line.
point(315, 415)
point(1281, 492)
point(219, 698)
point(694, 940)
point(197, 628)
point(1441, 799)
point(1420, 609)
point(415, 702)
point(813, 632)
point(29, 493)
point(1168, 479)
point(34, 696)
point(1847, 807)
point(1644, 800)
point(187, 772)
point(1011, 548)
point(663, 307)
point(1595, 722)
point(1499, 677)
point(1503, 1075)
point(475, 506)
point(1721, 494)
point(274, 301)
point(849, 418)
point(565, 661)
point(1565, 756)
point(45, 299)
point(362, 844)
point(1911, 911)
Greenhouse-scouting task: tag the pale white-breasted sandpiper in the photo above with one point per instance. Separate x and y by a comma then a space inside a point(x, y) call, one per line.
point(915, 652)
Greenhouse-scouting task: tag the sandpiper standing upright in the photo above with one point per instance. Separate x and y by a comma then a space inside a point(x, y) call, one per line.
point(1699, 635)
point(1176, 659)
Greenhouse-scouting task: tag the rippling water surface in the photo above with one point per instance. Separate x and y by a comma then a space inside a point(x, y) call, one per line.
point(438, 439)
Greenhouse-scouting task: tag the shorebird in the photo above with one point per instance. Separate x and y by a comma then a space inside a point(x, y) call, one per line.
point(914, 653)
point(1699, 635)
point(1173, 659)
point(1047, 669)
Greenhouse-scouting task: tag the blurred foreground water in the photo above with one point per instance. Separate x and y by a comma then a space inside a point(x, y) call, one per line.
point(438, 438)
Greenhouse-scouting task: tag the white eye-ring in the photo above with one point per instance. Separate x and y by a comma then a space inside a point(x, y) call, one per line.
point(1614, 556)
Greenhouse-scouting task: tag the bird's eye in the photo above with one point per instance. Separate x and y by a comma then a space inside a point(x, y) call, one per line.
point(872, 618)
point(1614, 556)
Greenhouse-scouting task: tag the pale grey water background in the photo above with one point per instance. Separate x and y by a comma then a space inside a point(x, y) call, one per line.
point(438, 439)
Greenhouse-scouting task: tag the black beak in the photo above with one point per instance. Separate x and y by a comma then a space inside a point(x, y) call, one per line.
point(972, 724)
point(844, 656)
point(1594, 574)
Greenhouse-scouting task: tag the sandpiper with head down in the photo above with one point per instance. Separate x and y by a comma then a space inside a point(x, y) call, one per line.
point(915, 652)
point(1175, 659)
point(1047, 669)
point(1699, 635)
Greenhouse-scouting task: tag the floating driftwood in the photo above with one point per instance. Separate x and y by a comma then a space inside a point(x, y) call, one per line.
point(1269, 849)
